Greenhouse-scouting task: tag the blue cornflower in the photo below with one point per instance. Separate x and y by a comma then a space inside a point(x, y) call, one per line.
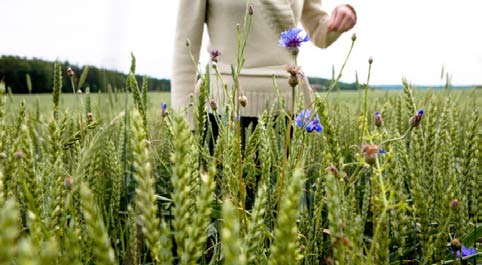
point(314, 125)
point(465, 252)
point(293, 38)
point(304, 120)
point(163, 106)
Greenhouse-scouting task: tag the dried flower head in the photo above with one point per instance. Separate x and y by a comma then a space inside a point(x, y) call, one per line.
point(243, 100)
point(370, 152)
point(293, 70)
point(70, 72)
point(417, 118)
point(378, 119)
point(295, 74)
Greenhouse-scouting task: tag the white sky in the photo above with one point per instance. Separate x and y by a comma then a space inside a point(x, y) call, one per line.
point(411, 38)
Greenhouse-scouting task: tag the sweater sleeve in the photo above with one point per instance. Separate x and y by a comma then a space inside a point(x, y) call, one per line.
point(314, 20)
point(189, 27)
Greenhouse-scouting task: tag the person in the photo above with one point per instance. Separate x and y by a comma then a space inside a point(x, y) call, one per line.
point(264, 57)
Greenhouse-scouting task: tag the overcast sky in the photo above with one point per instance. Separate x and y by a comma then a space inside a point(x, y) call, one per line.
point(410, 38)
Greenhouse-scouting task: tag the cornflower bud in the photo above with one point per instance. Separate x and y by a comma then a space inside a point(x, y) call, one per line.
point(214, 55)
point(68, 182)
point(19, 155)
point(370, 60)
point(90, 117)
point(378, 119)
point(213, 104)
point(416, 119)
point(455, 245)
point(164, 110)
point(293, 81)
point(333, 170)
point(187, 43)
point(70, 72)
point(250, 9)
point(454, 204)
point(343, 240)
point(243, 100)
point(353, 37)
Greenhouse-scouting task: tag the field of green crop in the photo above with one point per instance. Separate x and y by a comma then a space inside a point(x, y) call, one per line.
point(363, 177)
point(117, 178)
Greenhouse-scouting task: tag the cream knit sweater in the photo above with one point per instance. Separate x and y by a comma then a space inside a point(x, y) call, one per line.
point(264, 57)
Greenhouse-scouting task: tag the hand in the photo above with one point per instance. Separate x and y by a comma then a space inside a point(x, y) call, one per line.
point(342, 19)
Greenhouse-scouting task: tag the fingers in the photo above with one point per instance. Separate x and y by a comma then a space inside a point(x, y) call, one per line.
point(342, 19)
point(333, 21)
point(346, 24)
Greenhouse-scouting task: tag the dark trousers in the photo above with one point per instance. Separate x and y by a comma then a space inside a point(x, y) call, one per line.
point(245, 122)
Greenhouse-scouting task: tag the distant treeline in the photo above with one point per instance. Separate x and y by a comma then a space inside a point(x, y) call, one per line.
point(322, 84)
point(15, 71)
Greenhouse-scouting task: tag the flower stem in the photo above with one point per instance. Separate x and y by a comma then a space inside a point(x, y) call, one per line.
point(398, 138)
point(333, 84)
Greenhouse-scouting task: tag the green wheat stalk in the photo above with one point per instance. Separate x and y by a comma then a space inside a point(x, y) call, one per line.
point(95, 227)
